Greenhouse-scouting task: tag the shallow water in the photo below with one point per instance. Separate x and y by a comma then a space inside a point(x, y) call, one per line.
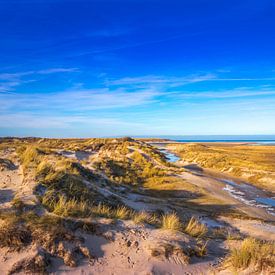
point(267, 201)
point(170, 156)
point(246, 193)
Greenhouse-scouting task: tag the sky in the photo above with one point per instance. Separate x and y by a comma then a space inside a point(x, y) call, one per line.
point(94, 68)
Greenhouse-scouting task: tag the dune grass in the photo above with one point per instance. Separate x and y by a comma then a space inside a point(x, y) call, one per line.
point(201, 249)
point(43, 169)
point(195, 229)
point(13, 234)
point(140, 217)
point(252, 253)
point(64, 207)
point(121, 213)
point(171, 221)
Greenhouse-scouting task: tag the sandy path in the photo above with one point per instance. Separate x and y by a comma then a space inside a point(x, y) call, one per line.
point(10, 184)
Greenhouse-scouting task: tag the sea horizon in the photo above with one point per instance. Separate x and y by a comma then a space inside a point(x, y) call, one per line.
point(217, 138)
point(261, 139)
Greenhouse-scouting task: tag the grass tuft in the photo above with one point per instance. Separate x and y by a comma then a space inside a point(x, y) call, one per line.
point(140, 217)
point(195, 228)
point(171, 222)
point(252, 253)
point(121, 213)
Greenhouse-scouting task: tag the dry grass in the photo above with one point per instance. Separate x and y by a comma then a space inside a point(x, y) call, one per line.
point(29, 156)
point(171, 222)
point(252, 253)
point(65, 207)
point(44, 169)
point(195, 228)
point(121, 213)
point(140, 217)
point(169, 186)
point(14, 235)
point(102, 210)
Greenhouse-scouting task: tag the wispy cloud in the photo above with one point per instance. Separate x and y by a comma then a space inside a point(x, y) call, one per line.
point(39, 121)
point(57, 70)
point(163, 80)
point(231, 93)
point(179, 80)
point(79, 99)
point(9, 81)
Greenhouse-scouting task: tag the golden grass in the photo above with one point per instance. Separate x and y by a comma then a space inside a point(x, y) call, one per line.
point(29, 156)
point(167, 183)
point(140, 217)
point(65, 207)
point(171, 221)
point(102, 210)
point(195, 228)
point(252, 253)
point(121, 213)
point(43, 169)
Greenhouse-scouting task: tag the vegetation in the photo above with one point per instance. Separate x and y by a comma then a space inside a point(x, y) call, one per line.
point(252, 163)
point(195, 228)
point(170, 186)
point(75, 191)
point(252, 253)
point(13, 234)
point(171, 222)
point(140, 217)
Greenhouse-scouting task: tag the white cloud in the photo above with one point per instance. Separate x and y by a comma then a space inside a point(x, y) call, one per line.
point(36, 121)
point(156, 80)
point(9, 81)
point(231, 93)
point(78, 100)
point(57, 70)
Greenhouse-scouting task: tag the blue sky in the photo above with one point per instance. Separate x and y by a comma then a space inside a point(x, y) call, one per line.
point(79, 68)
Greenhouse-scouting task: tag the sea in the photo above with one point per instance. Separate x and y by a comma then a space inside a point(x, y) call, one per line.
point(257, 139)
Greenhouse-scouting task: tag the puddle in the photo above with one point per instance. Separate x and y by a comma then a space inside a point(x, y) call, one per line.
point(170, 156)
point(267, 201)
point(250, 195)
